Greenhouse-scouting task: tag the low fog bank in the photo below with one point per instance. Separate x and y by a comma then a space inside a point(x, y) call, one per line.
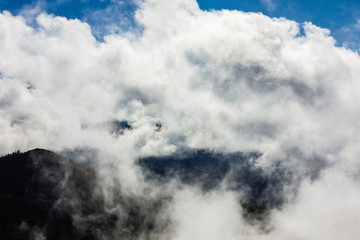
point(189, 194)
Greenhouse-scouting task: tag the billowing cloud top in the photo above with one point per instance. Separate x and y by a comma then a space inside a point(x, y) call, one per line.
point(222, 80)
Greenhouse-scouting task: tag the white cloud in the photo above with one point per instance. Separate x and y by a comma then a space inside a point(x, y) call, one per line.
point(225, 80)
point(270, 5)
point(349, 35)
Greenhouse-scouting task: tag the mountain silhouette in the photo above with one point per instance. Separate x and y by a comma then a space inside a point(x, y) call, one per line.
point(44, 195)
point(34, 189)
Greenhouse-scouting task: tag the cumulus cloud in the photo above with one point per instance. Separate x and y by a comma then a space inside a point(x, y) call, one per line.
point(228, 81)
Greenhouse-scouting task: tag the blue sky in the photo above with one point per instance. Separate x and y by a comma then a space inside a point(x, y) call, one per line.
point(341, 17)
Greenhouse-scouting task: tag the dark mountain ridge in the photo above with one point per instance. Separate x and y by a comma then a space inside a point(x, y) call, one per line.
point(33, 187)
point(45, 195)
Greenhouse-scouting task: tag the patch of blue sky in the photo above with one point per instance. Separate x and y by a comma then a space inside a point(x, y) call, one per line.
point(104, 16)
